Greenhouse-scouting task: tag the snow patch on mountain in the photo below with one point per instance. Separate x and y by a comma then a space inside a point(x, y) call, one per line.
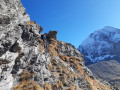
point(100, 58)
point(101, 44)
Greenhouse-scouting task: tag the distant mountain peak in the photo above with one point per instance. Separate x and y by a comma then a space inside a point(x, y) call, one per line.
point(103, 44)
point(108, 27)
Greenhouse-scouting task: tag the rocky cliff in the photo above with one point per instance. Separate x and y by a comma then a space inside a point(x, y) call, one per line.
point(29, 63)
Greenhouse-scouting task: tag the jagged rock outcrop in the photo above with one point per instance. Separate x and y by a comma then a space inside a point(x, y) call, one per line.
point(52, 34)
point(26, 63)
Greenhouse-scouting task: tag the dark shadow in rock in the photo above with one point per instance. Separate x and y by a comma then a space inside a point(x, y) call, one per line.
point(52, 34)
point(46, 79)
point(17, 64)
point(25, 36)
point(2, 51)
point(15, 47)
point(6, 47)
point(4, 20)
point(4, 61)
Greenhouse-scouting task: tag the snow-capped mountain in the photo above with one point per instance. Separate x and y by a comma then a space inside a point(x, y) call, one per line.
point(103, 44)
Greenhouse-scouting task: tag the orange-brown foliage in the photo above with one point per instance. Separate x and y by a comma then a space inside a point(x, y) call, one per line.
point(47, 86)
point(30, 22)
point(25, 75)
point(56, 74)
point(28, 85)
point(57, 86)
point(71, 88)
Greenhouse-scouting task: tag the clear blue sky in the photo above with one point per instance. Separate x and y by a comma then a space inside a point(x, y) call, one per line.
point(74, 19)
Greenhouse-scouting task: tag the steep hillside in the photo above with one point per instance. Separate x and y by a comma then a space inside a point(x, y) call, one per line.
point(29, 63)
point(103, 44)
point(107, 70)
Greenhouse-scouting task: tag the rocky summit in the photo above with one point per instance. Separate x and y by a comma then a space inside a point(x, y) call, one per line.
point(29, 63)
point(103, 44)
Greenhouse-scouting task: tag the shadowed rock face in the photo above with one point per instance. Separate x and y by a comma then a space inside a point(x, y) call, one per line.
point(52, 34)
point(4, 20)
point(25, 62)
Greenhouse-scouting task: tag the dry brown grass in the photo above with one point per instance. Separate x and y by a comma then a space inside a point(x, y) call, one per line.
point(72, 62)
point(50, 66)
point(64, 58)
point(56, 74)
point(41, 45)
point(53, 68)
point(94, 85)
point(60, 69)
point(41, 48)
point(47, 86)
point(53, 47)
point(30, 22)
point(57, 86)
point(71, 88)
point(26, 82)
point(66, 71)
point(25, 75)
point(28, 85)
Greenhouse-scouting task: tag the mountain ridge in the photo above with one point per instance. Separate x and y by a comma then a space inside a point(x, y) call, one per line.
point(102, 44)
point(101, 50)
point(27, 62)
